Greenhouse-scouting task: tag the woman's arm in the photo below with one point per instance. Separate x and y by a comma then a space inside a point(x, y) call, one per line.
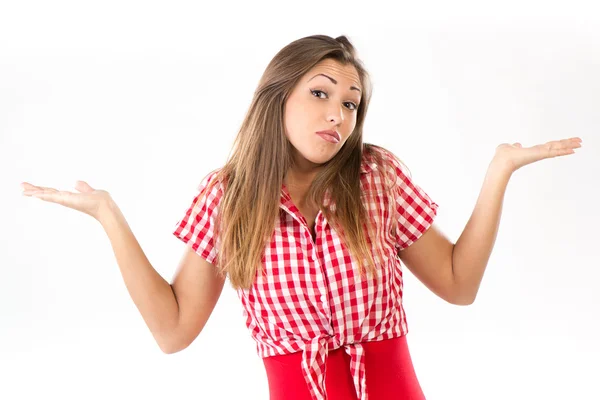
point(455, 271)
point(175, 313)
point(474, 246)
point(151, 293)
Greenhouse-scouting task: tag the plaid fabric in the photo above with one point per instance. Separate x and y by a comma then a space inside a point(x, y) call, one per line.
point(311, 297)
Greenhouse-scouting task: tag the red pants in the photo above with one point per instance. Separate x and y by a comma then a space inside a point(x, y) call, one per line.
point(388, 368)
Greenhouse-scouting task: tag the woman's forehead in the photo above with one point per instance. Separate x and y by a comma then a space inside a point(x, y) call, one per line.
point(333, 70)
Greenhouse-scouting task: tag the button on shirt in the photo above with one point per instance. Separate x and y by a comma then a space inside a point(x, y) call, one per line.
point(312, 297)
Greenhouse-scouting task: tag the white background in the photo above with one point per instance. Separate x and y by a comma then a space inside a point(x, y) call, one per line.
point(143, 99)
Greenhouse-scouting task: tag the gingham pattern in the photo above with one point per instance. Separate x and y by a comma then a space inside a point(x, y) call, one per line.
point(311, 297)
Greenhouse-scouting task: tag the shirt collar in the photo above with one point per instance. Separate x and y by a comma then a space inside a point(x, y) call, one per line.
point(366, 167)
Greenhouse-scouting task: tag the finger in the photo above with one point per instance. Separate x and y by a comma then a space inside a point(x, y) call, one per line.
point(556, 149)
point(26, 186)
point(33, 192)
point(30, 192)
point(572, 143)
point(61, 198)
point(37, 192)
point(83, 187)
point(41, 190)
point(575, 143)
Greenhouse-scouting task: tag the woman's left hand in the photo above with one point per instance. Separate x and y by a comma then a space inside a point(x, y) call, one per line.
point(514, 156)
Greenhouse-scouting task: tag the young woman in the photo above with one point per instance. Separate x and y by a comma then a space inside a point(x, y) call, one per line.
point(312, 227)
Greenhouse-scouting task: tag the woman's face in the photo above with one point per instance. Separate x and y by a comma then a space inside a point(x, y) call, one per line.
point(318, 104)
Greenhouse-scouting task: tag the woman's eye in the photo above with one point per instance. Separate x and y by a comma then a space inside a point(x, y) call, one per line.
point(317, 91)
point(348, 102)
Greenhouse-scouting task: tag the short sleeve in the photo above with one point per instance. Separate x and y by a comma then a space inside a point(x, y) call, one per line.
point(416, 210)
point(197, 227)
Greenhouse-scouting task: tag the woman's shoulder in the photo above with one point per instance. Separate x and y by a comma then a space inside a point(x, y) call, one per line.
point(374, 149)
point(384, 159)
point(214, 179)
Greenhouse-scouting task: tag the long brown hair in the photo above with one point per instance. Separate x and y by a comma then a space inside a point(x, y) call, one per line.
point(254, 174)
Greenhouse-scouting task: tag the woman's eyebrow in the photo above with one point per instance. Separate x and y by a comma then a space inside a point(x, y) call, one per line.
point(333, 80)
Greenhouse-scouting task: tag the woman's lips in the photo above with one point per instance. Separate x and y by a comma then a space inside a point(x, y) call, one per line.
point(328, 137)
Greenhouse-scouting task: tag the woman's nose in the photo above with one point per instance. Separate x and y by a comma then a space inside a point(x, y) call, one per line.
point(336, 116)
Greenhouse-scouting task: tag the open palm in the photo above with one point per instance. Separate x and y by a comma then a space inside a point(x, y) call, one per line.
point(515, 156)
point(89, 200)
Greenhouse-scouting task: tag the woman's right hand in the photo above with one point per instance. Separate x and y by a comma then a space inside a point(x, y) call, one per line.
point(90, 201)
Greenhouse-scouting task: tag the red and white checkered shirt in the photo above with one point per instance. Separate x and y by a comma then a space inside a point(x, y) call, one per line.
point(312, 297)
